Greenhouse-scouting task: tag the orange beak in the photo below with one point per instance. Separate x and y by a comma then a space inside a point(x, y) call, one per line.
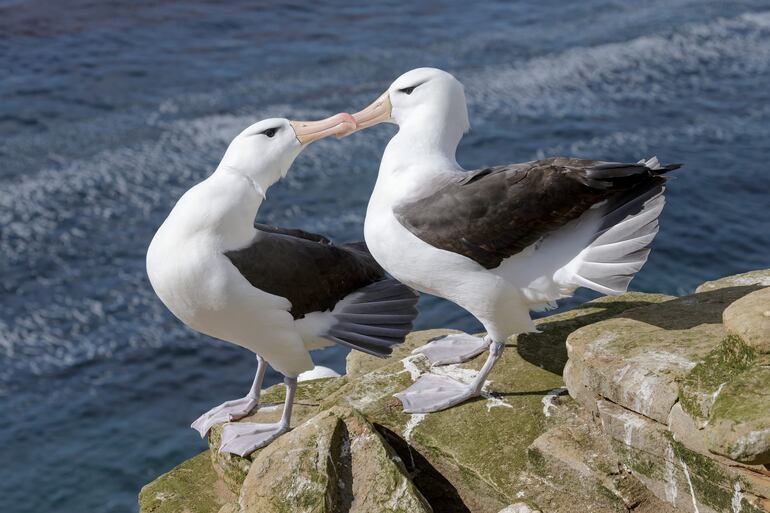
point(309, 131)
point(377, 112)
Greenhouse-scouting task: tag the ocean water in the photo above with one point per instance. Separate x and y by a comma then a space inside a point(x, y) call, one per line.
point(110, 110)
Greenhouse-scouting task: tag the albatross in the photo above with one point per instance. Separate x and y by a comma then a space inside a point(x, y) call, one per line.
point(499, 241)
point(277, 292)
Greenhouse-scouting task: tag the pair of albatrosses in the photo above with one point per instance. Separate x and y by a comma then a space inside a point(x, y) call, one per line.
point(498, 241)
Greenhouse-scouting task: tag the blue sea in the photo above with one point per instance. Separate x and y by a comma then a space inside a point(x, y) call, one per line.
point(111, 109)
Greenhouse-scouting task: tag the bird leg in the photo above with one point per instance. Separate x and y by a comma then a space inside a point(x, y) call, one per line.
point(454, 348)
point(246, 437)
point(235, 409)
point(432, 392)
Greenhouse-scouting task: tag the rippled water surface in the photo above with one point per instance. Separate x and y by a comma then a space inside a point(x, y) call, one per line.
point(110, 110)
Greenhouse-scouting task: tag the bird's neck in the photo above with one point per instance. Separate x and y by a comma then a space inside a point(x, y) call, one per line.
point(415, 159)
point(222, 208)
point(430, 137)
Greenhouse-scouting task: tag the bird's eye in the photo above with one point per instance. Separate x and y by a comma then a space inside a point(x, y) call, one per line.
point(408, 90)
point(270, 132)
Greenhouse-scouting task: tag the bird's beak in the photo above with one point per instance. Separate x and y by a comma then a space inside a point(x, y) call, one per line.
point(309, 131)
point(377, 112)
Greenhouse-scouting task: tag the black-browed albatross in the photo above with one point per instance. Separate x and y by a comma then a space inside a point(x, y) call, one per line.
point(278, 292)
point(498, 241)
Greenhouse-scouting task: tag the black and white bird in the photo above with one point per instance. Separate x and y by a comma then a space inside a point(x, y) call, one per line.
point(500, 241)
point(278, 292)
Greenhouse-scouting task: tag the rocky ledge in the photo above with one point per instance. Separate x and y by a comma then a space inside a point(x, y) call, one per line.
point(641, 402)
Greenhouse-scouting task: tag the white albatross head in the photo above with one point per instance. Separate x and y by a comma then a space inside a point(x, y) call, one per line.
point(427, 100)
point(265, 151)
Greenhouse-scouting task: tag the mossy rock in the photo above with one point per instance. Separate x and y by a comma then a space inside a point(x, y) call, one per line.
point(739, 427)
point(700, 387)
point(637, 358)
point(333, 462)
point(749, 319)
point(674, 472)
point(232, 468)
point(576, 464)
point(358, 363)
point(191, 487)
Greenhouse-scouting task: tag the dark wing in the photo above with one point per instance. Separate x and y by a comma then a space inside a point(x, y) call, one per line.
point(294, 232)
point(491, 214)
point(307, 269)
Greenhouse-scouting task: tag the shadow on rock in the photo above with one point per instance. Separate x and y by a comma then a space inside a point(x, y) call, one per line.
point(437, 490)
point(548, 349)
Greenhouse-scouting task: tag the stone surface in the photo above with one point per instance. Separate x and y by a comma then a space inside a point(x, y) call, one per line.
point(739, 427)
point(358, 363)
point(636, 359)
point(749, 318)
point(691, 481)
point(191, 487)
point(333, 462)
point(752, 280)
point(297, 472)
point(700, 387)
point(232, 468)
point(579, 464)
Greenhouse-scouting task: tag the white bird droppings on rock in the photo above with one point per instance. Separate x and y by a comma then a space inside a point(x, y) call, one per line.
point(549, 398)
point(737, 498)
point(689, 483)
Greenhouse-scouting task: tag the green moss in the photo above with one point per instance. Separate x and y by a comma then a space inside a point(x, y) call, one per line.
point(747, 397)
point(698, 388)
point(191, 487)
point(711, 484)
point(536, 461)
point(639, 461)
point(315, 390)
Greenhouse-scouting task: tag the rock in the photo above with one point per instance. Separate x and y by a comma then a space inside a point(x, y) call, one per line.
point(700, 387)
point(691, 481)
point(636, 359)
point(578, 463)
point(739, 427)
point(358, 363)
point(751, 281)
point(634, 363)
point(333, 462)
point(749, 319)
point(688, 430)
point(669, 411)
point(306, 480)
point(191, 487)
point(233, 469)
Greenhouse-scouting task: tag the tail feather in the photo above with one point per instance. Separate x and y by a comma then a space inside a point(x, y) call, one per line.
point(375, 318)
point(628, 224)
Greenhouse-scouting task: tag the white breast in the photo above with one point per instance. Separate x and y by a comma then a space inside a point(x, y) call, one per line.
point(191, 274)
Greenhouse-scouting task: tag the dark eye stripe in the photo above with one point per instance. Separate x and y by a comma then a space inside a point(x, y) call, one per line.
point(408, 90)
point(270, 132)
